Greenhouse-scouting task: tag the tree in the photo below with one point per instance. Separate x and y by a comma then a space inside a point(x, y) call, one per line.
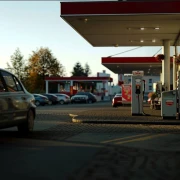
point(42, 63)
point(78, 70)
point(17, 66)
point(87, 70)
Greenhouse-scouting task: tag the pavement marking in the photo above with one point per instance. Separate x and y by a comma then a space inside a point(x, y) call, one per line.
point(45, 143)
point(125, 138)
point(142, 138)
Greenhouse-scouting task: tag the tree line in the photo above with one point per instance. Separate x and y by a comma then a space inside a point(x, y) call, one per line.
point(40, 64)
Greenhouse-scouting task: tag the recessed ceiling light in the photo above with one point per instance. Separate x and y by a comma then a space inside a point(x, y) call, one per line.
point(128, 28)
point(86, 20)
point(131, 40)
point(141, 41)
point(142, 28)
point(116, 45)
point(153, 40)
point(156, 28)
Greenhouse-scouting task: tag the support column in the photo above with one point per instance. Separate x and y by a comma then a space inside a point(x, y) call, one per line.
point(106, 88)
point(166, 68)
point(59, 87)
point(120, 79)
point(71, 88)
point(47, 87)
point(174, 69)
point(110, 89)
point(162, 73)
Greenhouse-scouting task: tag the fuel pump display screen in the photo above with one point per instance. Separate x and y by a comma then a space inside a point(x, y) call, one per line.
point(138, 81)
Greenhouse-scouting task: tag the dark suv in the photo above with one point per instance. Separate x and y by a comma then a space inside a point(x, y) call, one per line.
point(91, 97)
point(17, 106)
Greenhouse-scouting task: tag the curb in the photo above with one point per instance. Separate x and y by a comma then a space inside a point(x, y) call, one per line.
point(168, 122)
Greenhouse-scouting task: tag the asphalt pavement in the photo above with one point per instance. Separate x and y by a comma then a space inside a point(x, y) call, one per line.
point(61, 149)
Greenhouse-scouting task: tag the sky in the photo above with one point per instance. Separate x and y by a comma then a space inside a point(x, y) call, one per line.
point(29, 25)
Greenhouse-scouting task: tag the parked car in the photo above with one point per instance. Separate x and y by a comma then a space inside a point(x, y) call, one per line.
point(63, 98)
point(53, 99)
point(40, 100)
point(117, 100)
point(79, 99)
point(91, 97)
point(17, 105)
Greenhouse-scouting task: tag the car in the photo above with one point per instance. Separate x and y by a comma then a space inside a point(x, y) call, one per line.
point(79, 99)
point(17, 105)
point(40, 100)
point(63, 98)
point(91, 97)
point(117, 100)
point(145, 99)
point(53, 99)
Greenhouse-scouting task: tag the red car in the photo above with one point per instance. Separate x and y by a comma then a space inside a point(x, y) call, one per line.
point(117, 100)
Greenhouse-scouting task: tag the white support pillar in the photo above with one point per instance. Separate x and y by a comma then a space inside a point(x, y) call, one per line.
point(162, 73)
point(174, 69)
point(47, 87)
point(106, 88)
point(120, 78)
point(59, 87)
point(166, 68)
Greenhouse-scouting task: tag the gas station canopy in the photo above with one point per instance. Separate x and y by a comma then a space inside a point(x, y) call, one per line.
point(125, 23)
point(125, 65)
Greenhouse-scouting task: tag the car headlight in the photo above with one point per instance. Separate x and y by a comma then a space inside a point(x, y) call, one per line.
point(32, 100)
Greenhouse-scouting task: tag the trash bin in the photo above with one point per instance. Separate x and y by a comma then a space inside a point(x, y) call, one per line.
point(169, 104)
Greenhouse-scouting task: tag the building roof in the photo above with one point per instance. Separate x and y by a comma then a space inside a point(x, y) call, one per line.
point(79, 78)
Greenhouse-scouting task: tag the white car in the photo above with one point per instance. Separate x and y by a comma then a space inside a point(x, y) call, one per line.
point(17, 105)
point(63, 98)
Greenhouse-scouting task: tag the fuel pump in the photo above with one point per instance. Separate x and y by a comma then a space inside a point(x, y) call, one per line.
point(137, 93)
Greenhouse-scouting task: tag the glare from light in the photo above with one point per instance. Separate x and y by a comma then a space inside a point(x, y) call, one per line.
point(153, 40)
point(85, 20)
point(156, 28)
point(142, 28)
point(142, 41)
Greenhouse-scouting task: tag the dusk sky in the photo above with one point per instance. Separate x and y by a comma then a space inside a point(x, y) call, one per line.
point(29, 25)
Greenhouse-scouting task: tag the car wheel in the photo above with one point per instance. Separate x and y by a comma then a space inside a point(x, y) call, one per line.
point(37, 103)
point(61, 102)
point(50, 102)
point(28, 126)
point(89, 101)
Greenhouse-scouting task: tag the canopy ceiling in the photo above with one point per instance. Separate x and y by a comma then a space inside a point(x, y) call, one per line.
point(123, 23)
